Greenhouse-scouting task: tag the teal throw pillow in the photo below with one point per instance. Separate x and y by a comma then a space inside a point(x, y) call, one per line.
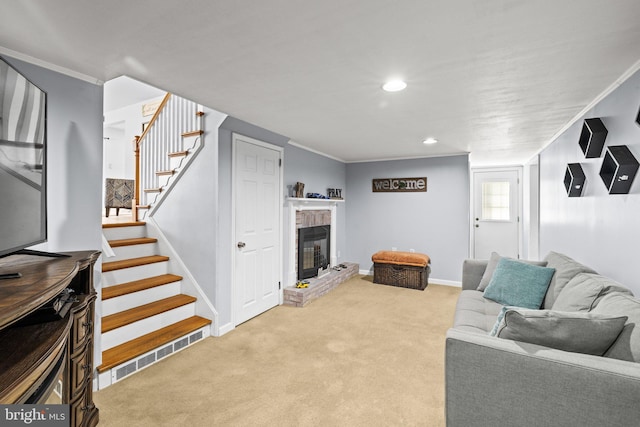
point(518, 284)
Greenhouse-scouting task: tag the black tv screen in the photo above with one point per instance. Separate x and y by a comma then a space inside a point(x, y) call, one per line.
point(23, 136)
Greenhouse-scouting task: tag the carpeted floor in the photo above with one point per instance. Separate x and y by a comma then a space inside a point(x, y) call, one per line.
point(361, 355)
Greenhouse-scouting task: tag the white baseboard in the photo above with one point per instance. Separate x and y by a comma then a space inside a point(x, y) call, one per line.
point(443, 282)
point(223, 329)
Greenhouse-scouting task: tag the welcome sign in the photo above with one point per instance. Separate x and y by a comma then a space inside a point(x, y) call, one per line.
point(399, 185)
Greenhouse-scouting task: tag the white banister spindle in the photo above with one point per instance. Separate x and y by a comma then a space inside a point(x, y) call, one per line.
point(162, 138)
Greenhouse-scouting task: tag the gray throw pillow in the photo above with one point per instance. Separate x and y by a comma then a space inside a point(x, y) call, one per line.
point(491, 266)
point(627, 346)
point(588, 333)
point(584, 291)
point(566, 269)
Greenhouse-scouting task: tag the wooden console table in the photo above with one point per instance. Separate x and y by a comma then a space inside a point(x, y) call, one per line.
point(37, 357)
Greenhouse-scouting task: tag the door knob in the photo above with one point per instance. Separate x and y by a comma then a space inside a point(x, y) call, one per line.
point(241, 245)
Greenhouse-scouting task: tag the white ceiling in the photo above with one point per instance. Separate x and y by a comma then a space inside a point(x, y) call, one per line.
point(494, 78)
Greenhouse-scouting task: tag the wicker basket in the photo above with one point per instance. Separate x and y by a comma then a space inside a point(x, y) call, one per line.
point(405, 276)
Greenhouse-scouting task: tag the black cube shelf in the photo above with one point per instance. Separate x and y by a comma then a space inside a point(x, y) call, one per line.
point(574, 180)
point(592, 137)
point(618, 169)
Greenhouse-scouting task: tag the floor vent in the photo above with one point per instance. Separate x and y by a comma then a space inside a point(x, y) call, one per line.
point(164, 351)
point(195, 337)
point(152, 357)
point(181, 344)
point(146, 360)
point(125, 370)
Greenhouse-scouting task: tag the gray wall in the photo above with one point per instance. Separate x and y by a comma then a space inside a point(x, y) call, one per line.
point(74, 150)
point(597, 229)
point(435, 222)
point(318, 173)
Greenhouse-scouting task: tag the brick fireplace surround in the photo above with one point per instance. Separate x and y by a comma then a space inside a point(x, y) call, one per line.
point(309, 213)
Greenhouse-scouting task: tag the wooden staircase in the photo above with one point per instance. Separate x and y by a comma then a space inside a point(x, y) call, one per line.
point(145, 317)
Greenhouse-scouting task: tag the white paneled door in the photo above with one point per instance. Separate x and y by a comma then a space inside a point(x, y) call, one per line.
point(257, 210)
point(496, 213)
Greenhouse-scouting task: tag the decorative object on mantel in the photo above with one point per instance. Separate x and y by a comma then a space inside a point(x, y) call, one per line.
point(399, 185)
point(299, 190)
point(334, 193)
point(574, 180)
point(592, 137)
point(618, 169)
point(316, 196)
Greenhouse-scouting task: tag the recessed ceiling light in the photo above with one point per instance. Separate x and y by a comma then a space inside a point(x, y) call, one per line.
point(430, 141)
point(394, 86)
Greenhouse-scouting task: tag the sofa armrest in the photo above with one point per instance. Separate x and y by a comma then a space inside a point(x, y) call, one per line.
point(472, 271)
point(492, 381)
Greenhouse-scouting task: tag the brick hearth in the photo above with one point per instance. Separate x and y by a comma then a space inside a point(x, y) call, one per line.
point(318, 287)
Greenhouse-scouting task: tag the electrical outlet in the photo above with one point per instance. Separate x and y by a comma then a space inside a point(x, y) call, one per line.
point(338, 254)
point(412, 250)
point(393, 248)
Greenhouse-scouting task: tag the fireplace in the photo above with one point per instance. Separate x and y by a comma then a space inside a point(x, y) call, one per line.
point(313, 250)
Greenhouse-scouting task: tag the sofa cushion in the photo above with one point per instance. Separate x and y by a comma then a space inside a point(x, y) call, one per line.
point(491, 266)
point(475, 313)
point(627, 346)
point(585, 290)
point(518, 284)
point(566, 269)
point(588, 333)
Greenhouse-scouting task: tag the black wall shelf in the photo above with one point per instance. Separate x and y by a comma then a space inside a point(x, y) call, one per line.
point(574, 180)
point(592, 137)
point(618, 169)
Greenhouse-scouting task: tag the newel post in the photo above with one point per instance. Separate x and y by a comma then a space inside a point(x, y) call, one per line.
point(136, 191)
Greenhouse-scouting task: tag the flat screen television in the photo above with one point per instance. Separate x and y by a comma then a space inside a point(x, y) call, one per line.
point(23, 147)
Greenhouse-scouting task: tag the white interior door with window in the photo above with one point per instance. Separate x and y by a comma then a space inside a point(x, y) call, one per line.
point(496, 213)
point(257, 223)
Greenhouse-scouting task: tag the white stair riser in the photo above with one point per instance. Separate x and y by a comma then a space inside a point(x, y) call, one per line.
point(133, 251)
point(117, 233)
point(135, 299)
point(145, 326)
point(105, 379)
point(125, 275)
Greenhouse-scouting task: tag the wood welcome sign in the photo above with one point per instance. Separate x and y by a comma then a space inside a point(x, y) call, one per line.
point(399, 185)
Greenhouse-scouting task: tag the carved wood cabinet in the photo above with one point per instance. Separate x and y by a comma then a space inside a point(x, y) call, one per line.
point(43, 358)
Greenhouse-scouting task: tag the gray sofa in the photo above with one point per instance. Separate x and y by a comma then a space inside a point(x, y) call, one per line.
point(495, 381)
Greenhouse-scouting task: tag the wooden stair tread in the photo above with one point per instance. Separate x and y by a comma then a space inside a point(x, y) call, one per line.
point(131, 242)
point(193, 133)
point(124, 224)
point(138, 285)
point(134, 348)
point(132, 262)
point(143, 206)
point(178, 154)
point(153, 190)
point(165, 173)
point(135, 314)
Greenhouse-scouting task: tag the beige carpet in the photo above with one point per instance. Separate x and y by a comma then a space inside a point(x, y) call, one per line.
point(361, 355)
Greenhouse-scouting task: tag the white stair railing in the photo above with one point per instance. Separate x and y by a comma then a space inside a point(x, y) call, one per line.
point(163, 149)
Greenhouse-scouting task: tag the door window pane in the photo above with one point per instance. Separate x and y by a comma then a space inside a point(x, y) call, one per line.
point(495, 201)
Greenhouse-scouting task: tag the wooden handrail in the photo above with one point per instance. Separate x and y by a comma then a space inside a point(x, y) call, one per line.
point(136, 149)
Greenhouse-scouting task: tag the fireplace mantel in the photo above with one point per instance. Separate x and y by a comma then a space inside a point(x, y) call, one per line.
point(305, 204)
